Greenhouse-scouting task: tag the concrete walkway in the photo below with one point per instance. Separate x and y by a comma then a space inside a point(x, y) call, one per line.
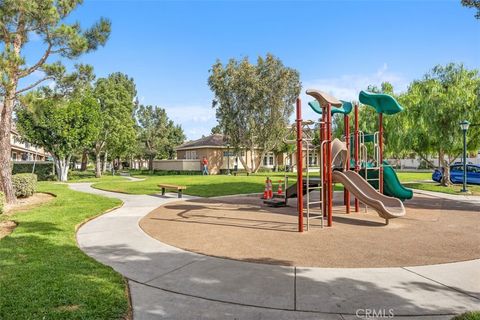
point(169, 283)
point(456, 197)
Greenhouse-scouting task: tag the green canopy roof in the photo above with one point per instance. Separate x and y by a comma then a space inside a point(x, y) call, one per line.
point(383, 103)
point(346, 107)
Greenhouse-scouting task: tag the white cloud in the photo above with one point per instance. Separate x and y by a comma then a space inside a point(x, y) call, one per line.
point(348, 86)
point(195, 120)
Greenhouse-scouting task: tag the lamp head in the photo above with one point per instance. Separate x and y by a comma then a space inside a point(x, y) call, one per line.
point(464, 125)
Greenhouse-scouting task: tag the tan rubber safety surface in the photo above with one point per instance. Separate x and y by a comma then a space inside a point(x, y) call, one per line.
point(433, 231)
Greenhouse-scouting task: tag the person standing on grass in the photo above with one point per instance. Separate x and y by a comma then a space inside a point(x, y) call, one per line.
point(205, 166)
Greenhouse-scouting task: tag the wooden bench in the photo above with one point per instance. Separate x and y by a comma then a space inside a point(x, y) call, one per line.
point(172, 187)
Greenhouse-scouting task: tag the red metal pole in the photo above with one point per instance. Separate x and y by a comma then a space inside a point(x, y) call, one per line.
point(346, 193)
point(380, 156)
point(323, 135)
point(299, 166)
point(356, 150)
point(329, 165)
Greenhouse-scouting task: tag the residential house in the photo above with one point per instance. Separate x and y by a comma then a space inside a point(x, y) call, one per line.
point(25, 151)
point(220, 155)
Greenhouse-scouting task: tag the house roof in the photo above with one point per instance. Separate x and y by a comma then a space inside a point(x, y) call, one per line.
point(216, 140)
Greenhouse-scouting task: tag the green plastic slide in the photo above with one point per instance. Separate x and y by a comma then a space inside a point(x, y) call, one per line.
point(391, 184)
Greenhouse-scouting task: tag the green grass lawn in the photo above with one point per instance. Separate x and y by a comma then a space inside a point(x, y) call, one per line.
point(414, 176)
point(209, 186)
point(44, 275)
point(474, 315)
point(453, 189)
point(203, 186)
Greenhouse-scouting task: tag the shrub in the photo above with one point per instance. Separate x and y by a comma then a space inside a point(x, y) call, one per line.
point(43, 169)
point(2, 202)
point(77, 175)
point(24, 184)
point(165, 172)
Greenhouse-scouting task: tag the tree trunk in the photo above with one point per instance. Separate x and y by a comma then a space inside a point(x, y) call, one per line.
point(10, 70)
point(105, 159)
point(425, 158)
point(5, 147)
point(244, 162)
point(150, 163)
point(98, 165)
point(445, 169)
point(83, 167)
point(258, 163)
point(61, 166)
point(252, 159)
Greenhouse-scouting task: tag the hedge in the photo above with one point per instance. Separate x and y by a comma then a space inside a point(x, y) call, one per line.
point(166, 172)
point(2, 202)
point(24, 184)
point(43, 169)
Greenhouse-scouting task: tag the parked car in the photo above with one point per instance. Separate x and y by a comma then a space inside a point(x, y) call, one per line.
point(456, 174)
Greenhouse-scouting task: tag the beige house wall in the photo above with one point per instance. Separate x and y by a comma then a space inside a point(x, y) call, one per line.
point(21, 150)
point(217, 158)
point(217, 161)
point(176, 165)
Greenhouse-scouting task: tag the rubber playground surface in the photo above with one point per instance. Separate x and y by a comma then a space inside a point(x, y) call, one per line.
point(434, 231)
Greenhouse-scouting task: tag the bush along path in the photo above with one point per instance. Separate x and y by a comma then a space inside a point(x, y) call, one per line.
point(44, 275)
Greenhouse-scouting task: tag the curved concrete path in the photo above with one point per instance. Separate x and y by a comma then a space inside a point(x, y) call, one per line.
point(170, 283)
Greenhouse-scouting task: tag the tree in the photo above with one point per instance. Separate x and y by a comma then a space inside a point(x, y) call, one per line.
point(394, 126)
point(46, 19)
point(215, 130)
point(62, 126)
point(436, 105)
point(158, 134)
point(116, 94)
point(473, 4)
point(254, 103)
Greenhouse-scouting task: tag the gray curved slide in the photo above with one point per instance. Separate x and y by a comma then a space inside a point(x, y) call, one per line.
point(386, 207)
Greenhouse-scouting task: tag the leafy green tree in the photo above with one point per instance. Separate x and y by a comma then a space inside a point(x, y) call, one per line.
point(158, 134)
point(62, 126)
point(116, 94)
point(436, 105)
point(216, 129)
point(473, 4)
point(394, 126)
point(254, 103)
point(46, 19)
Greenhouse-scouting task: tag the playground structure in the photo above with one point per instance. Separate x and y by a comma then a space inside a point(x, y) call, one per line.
point(368, 181)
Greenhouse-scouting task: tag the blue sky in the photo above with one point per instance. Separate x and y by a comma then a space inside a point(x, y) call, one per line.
point(337, 46)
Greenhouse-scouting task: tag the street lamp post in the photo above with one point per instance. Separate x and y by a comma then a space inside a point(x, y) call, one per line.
point(464, 126)
point(228, 159)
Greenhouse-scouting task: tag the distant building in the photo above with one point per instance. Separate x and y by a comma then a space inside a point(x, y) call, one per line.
point(215, 148)
point(25, 151)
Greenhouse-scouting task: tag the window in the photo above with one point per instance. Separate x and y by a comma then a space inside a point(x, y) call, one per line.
point(473, 169)
point(312, 159)
point(456, 168)
point(191, 155)
point(268, 159)
point(226, 154)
